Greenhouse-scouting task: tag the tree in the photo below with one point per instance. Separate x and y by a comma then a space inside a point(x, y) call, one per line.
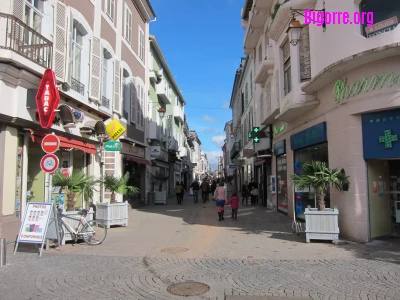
point(159, 179)
point(118, 185)
point(318, 175)
point(76, 184)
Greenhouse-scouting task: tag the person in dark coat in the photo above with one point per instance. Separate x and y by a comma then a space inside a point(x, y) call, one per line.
point(195, 187)
point(213, 187)
point(183, 189)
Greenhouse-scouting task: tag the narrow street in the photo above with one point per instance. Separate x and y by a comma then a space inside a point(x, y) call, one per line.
point(257, 255)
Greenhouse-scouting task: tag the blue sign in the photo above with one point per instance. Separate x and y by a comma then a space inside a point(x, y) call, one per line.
point(381, 134)
point(280, 148)
point(314, 135)
point(232, 166)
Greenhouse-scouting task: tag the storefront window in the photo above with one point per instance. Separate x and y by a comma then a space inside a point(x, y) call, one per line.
point(306, 197)
point(281, 182)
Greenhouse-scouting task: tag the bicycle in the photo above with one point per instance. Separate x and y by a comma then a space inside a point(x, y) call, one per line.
point(92, 232)
point(298, 227)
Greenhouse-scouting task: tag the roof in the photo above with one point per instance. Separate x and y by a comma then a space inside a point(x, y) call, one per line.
point(165, 66)
point(145, 8)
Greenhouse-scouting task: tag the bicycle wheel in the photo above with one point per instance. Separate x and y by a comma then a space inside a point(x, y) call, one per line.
point(94, 232)
point(294, 225)
point(61, 233)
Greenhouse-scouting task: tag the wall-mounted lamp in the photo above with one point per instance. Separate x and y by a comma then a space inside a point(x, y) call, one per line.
point(161, 112)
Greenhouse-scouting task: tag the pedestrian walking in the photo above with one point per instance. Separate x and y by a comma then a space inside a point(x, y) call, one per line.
point(234, 203)
point(208, 191)
point(245, 193)
point(178, 192)
point(204, 190)
point(213, 187)
point(220, 195)
point(195, 188)
point(250, 189)
point(183, 189)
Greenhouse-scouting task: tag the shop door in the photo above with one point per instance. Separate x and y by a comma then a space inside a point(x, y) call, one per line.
point(394, 191)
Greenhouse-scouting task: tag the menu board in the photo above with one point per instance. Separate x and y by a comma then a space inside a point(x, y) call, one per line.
point(34, 225)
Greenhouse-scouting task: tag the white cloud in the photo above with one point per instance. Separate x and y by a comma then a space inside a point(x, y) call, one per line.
point(218, 140)
point(212, 157)
point(225, 104)
point(208, 119)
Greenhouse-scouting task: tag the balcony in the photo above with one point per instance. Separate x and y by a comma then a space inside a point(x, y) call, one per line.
point(163, 92)
point(178, 113)
point(235, 150)
point(77, 86)
point(265, 67)
point(294, 105)
point(18, 37)
point(183, 151)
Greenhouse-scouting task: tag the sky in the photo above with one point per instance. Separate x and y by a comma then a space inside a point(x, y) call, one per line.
point(202, 42)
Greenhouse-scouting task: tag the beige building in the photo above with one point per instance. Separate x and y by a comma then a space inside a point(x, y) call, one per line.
point(97, 49)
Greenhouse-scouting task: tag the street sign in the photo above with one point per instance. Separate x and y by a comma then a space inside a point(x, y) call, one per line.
point(115, 129)
point(49, 163)
point(112, 146)
point(232, 166)
point(47, 98)
point(50, 143)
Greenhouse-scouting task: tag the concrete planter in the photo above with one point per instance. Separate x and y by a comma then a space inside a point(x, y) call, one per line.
point(160, 197)
point(112, 214)
point(68, 236)
point(322, 225)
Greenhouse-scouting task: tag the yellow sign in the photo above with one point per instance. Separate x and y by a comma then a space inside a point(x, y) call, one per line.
point(115, 129)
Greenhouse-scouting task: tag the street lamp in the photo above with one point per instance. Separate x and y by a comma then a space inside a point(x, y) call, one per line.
point(294, 31)
point(161, 112)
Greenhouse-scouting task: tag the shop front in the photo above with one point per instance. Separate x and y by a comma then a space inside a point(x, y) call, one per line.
point(309, 145)
point(381, 147)
point(134, 162)
point(281, 176)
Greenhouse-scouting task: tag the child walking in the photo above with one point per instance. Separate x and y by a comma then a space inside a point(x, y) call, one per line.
point(220, 196)
point(234, 202)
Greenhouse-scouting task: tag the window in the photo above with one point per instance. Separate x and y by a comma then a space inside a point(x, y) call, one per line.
point(260, 53)
point(107, 79)
point(110, 8)
point(287, 77)
point(246, 93)
point(251, 85)
point(76, 53)
point(104, 83)
point(140, 105)
point(128, 25)
point(126, 94)
point(377, 11)
point(177, 100)
point(33, 17)
point(141, 44)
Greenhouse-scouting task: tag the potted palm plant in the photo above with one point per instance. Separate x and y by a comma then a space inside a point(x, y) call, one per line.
point(160, 194)
point(115, 213)
point(78, 183)
point(321, 223)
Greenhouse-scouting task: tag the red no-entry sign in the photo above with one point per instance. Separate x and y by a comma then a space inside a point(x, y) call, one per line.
point(50, 143)
point(49, 163)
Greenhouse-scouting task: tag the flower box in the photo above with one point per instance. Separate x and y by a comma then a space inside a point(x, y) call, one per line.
point(160, 197)
point(112, 214)
point(322, 225)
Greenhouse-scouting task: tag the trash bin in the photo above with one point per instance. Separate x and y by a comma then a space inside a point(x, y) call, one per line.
point(151, 197)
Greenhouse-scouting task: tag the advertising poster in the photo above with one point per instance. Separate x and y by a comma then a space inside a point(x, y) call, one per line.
point(33, 228)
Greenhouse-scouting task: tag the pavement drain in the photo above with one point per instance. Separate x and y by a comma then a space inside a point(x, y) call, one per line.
point(174, 250)
point(189, 288)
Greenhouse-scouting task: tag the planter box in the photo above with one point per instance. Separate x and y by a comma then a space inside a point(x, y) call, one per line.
point(68, 236)
point(160, 197)
point(322, 225)
point(112, 214)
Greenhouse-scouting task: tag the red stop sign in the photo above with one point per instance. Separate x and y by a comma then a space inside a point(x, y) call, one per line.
point(50, 143)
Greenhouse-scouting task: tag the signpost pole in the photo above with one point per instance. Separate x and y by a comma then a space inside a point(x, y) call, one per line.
point(49, 200)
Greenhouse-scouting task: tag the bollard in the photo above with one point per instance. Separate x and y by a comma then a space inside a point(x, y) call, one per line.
point(3, 250)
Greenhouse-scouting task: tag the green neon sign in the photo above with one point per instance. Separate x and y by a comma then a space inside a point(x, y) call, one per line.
point(343, 91)
point(388, 139)
point(279, 129)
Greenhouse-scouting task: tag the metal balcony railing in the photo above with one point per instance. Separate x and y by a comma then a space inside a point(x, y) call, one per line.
point(105, 102)
point(16, 36)
point(77, 86)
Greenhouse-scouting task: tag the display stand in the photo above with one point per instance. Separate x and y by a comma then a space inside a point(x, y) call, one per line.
point(39, 224)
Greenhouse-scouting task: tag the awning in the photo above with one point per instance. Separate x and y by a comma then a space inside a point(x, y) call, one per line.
point(37, 137)
point(137, 159)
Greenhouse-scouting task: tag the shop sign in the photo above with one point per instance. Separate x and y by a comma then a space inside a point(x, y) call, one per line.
point(169, 131)
point(381, 27)
point(232, 166)
point(314, 135)
point(155, 151)
point(112, 146)
point(279, 129)
point(273, 184)
point(115, 129)
point(280, 148)
point(47, 98)
point(343, 91)
point(132, 150)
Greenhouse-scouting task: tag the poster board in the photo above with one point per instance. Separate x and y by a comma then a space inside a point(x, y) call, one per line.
point(39, 223)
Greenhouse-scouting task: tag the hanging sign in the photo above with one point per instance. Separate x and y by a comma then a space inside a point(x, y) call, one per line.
point(50, 143)
point(39, 223)
point(112, 146)
point(115, 129)
point(49, 163)
point(47, 98)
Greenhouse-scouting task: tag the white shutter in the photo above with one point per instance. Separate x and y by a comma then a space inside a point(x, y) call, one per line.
point(60, 26)
point(138, 108)
point(95, 69)
point(133, 102)
point(68, 52)
point(18, 9)
point(117, 86)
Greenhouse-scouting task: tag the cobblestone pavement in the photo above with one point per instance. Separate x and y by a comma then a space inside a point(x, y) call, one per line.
point(257, 255)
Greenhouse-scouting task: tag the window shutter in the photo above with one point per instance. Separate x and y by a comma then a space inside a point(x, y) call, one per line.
point(60, 25)
point(69, 29)
point(305, 60)
point(18, 9)
point(286, 51)
point(133, 102)
point(138, 108)
point(117, 86)
point(95, 69)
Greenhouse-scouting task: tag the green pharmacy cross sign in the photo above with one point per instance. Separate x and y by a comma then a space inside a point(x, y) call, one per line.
point(256, 134)
point(388, 139)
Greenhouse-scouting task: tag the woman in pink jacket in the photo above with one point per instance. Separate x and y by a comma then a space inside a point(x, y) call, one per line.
point(234, 202)
point(220, 197)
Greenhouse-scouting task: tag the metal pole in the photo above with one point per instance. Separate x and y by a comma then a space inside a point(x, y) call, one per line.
point(3, 251)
